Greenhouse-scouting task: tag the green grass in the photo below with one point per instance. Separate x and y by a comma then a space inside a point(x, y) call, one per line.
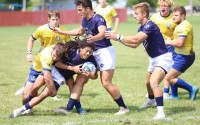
point(129, 77)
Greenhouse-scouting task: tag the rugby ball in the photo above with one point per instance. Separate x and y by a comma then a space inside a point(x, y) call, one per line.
point(88, 67)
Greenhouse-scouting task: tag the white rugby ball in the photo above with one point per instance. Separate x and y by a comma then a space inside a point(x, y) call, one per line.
point(88, 67)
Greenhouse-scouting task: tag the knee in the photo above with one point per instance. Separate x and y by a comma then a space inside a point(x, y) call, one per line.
point(106, 84)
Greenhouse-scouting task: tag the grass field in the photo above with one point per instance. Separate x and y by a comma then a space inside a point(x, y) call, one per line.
point(129, 77)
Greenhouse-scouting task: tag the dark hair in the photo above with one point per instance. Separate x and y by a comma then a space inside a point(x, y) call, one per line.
point(60, 48)
point(83, 43)
point(84, 3)
point(76, 44)
point(180, 9)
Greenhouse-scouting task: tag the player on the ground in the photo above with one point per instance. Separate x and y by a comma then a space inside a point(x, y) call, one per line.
point(94, 27)
point(108, 12)
point(185, 55)
point(160, 59)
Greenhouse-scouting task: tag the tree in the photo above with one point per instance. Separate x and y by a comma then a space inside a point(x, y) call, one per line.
point(28, 3)
point(152, 3)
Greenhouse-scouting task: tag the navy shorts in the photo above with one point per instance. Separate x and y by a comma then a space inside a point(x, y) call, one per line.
point(33, 74)
point(183, 62)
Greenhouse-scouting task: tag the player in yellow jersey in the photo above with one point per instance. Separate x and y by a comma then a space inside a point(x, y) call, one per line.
point(108, 12)
point(42, 66)
point(185, 56)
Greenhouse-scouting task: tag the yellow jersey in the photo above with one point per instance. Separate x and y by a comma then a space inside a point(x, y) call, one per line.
point(43, 60)
point(165, 24)
point(108, 13)
point(184, 29)
point(48, 37)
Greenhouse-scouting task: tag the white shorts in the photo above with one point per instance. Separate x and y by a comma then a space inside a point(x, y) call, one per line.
point(57, 77)
point(164, 61)
point(105, 58)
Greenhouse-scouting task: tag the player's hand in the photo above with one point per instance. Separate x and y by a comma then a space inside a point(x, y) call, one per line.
point(167, 41)
point(90, 74)
point(57, 30)
point(29, 58)
point(111, 35)
point(90, 39)
point(77, 69)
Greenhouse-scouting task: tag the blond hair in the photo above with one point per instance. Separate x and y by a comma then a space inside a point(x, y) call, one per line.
point(166, 2)
point(54, 13)
point(144, 6)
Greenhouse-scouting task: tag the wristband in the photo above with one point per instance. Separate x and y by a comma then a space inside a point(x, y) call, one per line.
point(120, 40)
point(28, 52)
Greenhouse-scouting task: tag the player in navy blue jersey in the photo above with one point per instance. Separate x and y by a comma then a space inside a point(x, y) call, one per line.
point(94, 27)
point(75, 55)
point(160, 59)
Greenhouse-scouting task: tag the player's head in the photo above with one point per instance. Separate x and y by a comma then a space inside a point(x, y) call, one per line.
point(58, 51)
point(165, 6)
point(86, 49)
point(102, 2)
point(53, 18)
point(179, 14)
point(84, 7)
point(141, 11)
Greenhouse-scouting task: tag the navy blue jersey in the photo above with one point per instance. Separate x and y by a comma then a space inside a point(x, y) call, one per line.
point(154, 44)
point(91, 28)
point(74, 59)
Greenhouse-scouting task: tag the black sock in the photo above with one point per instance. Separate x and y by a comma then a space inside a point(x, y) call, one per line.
point(71, 103)
point(120, 102)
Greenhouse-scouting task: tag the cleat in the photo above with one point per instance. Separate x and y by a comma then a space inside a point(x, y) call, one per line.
point(149, 103)
point(173, 97)
point(27, 112)
point(82, 111)
point(20, 91)
point(15, 113)
point(63, 111)
point(55, 98)
point(122, 111)
point(193, 93)
point(159, 116)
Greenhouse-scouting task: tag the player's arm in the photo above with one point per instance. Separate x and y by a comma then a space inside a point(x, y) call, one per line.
point(92, 75)
point(176, 43)
point(74, 32)
point(29, 57)
point(49, 82)
point(130, 41)
point(99, 36)
point(61, 65)
point(116, 24)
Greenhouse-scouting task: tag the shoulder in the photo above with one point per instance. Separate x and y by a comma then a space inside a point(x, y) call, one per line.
point(98, 17)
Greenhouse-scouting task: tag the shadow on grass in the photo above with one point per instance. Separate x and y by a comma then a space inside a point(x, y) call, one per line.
point(128, 67)
point(178, 110)
point(92, 95)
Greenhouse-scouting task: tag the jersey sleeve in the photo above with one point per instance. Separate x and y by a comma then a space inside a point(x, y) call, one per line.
point(113, 12)
point(100, 21)
point(37, 33)
point(183, 31)
point(148, 29)
point(46, 61)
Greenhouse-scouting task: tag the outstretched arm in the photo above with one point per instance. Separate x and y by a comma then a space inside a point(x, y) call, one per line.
point(74, 32)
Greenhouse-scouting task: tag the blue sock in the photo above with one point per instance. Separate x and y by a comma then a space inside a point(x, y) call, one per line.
point(29, 98)
point(27, 106)
point(151, 96)
point(78, 105)
point(166, 90)
point(174, 89)
point(182, 84)
point(120, 102)
point(159, 101)
point(71, 103)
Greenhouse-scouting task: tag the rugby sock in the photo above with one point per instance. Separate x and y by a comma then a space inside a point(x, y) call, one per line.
point(182, 84)
point(78, 105)
point(71, 104)
point(174, 90)
point(27, 106)
point(120, 102)
point(29, 98)
point(159, 101)
point(151, 96)
point(166, 90)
